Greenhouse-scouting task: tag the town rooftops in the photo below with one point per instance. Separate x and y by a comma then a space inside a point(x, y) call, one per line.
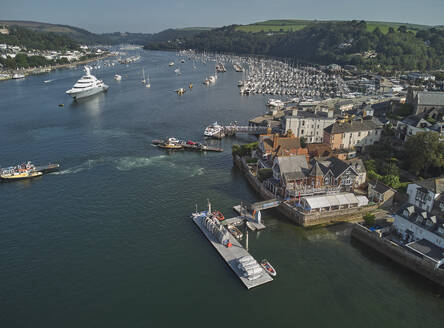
point(430, 98)
point(422, 218)
point(353, 126)
point(436, 185)
point(287, 145)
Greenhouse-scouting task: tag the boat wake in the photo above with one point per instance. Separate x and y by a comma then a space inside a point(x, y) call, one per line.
point(129, 163)
point(198, 172)
point(119, 163)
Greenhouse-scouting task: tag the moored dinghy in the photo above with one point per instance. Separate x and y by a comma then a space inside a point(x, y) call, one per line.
point(268, 268)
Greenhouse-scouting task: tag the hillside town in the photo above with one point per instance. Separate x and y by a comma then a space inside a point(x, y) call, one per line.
point(35, 61)
point(362, 161)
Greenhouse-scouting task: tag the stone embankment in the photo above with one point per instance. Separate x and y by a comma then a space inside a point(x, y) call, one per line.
point(399, 254)
point(303, 219)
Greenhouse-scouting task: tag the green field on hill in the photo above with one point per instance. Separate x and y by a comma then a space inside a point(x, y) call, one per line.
point(291, 25)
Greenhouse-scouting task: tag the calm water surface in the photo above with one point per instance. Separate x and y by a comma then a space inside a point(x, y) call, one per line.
point(107, 242)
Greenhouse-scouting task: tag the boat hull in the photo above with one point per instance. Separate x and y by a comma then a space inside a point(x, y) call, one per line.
point(6, 177)
point(87, 93)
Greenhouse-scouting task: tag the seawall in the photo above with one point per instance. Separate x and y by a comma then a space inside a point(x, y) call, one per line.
point(400, 255)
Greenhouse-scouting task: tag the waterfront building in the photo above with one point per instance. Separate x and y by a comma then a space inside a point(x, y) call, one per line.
point(422, 232)
point(309, 125)
point(350, 134)
point(293, 176)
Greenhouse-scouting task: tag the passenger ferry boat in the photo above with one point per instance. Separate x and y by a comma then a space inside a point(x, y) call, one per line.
point(88, 85)
point(23, 171)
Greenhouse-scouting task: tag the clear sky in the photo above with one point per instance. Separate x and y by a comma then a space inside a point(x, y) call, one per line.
point(153, 16)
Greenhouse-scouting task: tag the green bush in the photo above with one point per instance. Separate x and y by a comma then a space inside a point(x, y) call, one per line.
point(244, 150)
point(369, 219)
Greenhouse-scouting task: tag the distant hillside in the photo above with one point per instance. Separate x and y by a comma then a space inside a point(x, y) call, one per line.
point(86, 37)
point(33, 39)
point(292, 25)
point(369, 45)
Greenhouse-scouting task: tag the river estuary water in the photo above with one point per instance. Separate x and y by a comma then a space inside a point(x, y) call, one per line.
point(107, 241)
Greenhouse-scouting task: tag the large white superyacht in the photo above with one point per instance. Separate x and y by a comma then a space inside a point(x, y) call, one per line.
point(87, 85)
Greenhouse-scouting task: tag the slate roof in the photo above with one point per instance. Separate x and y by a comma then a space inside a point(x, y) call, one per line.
point(291, 164)
point(430, 98)
point(433, 184)
point(380, 187)
point(353, 126)
point(336, 166)
point(316, 170)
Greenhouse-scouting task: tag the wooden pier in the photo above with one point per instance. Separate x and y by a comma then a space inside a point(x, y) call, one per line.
point(232, 254)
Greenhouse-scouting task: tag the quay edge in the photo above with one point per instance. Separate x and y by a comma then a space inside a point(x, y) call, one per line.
point(398, 254)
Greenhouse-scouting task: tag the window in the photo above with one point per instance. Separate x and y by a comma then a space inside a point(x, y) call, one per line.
point(302, 132)
point(342, 146)
point(318, 126)
point(303, 123)
point(359, 133)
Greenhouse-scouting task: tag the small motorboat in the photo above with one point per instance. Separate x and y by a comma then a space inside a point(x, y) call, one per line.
point(268, 268)
point(250, 225)
point(218, 215)
point(235, 231)
point(171, 64)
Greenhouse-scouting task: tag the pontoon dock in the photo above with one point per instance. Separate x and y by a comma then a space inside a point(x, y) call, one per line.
point(232, 254)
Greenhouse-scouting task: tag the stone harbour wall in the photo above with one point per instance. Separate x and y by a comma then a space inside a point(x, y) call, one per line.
point(399, 254)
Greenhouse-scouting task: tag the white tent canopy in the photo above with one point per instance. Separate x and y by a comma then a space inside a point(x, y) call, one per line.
point(327, 201)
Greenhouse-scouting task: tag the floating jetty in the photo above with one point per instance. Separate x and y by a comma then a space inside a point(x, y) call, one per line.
point(232, 251)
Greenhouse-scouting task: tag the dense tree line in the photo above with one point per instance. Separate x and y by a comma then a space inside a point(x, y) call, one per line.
point(38, 40)
point(327, 42)
point(22, 60)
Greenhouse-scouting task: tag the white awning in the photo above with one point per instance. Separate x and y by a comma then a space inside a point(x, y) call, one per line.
point(323, 201)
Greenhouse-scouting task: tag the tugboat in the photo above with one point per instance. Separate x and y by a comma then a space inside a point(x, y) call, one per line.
point(268, 268)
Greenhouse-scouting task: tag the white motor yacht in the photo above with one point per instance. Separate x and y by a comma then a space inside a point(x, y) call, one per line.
point(214, 131)
point(88, 85)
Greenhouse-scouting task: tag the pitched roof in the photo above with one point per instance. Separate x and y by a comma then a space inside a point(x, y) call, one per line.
point(353, 126)
point(289, 164)
point(316, 170)
point(336, 166)
point(286, 143)
point(430, 98)
point(380, 187)
point(433, 184)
